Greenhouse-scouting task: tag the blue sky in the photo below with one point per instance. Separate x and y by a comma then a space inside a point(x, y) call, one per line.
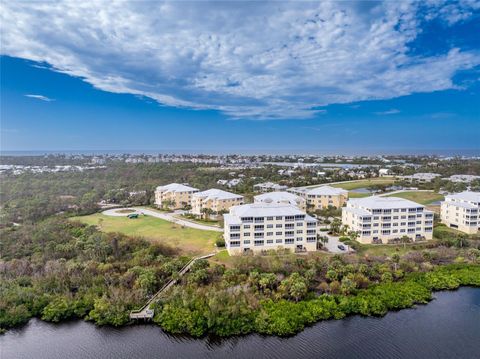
point(346, 77)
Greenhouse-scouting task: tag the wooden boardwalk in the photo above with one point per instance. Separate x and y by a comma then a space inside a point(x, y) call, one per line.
point(145, 312)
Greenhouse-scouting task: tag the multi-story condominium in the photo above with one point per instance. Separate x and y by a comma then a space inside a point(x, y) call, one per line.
point(420, 177)
point(268, 187)
point(381, 219)
point(214, 200)
point(259, 227)
point(282, 198)
point(463, 178)
point(174, 195)
point(461, 211)
point(322, 197)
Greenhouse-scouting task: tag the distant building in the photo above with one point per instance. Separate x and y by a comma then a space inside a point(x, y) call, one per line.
point(215, 200)
point(268, 187)
point(380, 219)
point(421, 177)
point(382, 172)
point(463, 178)
point(461, 211)
point(259, 227)
point(322, 197)
point(175, 195)
point(282, 198)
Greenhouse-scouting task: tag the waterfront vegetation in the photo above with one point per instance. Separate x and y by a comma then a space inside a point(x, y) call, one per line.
point(60, 269)
point(188, 240)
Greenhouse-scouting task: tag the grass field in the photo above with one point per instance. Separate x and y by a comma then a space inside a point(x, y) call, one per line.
point(188, 240)
point(364, 183)
point(390, 249)
point(419, 197)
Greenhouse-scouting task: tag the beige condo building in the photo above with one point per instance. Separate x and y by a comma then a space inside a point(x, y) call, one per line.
point(215, 200)
point(262, 226)
point(461, 211)
point(322, 197)
point(174, 195)
point(380, 219)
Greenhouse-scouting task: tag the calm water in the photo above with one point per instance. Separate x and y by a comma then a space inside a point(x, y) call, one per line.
point(448, 327)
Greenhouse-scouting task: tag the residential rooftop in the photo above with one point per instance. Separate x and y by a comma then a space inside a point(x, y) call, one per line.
point(279, 197)
point(467, 196)
point(321, 191)
point(265, 210)
point(216, 194)
point(176, 187)
point(377, 202)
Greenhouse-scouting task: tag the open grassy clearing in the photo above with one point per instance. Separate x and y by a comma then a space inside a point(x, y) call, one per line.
point(364, 183)
point(390, 249)
point(188, 240)
point(357, 195)
point(419, 197)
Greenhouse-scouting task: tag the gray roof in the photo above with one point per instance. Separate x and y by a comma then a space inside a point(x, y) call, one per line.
point(216, 194)
point(279, 197)
point(377, 202)
point(265, 210)
point(176, 187)
point(466, 196)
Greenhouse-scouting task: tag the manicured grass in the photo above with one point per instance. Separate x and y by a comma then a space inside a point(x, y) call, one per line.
point(188, 240)
point(125, 211)
point(419, 197)
point(222, 257)
point(364, 183)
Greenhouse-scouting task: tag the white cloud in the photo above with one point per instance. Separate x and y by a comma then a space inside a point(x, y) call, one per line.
point(247, 59)
point(392, 111)
point(40, 97)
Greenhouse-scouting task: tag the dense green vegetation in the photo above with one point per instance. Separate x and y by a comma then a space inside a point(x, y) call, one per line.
point(285, 293)
point(58, 270)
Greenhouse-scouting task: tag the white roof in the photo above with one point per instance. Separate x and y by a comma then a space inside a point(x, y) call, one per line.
point(216, 194)
point(376, 202)
point(357, 211)
point(279, 197)
point(176, 187)
point(322, 191)
point(265, 210)
point(467, 196)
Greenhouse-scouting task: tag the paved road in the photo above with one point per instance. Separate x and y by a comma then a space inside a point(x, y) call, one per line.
point(333, 243)
point(162, 215)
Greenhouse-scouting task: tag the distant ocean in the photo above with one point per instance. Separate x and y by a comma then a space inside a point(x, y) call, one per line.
point(320, 152)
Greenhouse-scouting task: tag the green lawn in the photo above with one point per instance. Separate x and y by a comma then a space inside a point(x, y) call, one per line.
point(419, 197)
point(188, 240)
point(364, 183)
point(357, 195)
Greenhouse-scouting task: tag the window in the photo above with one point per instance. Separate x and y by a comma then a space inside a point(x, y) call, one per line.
point(278, 233)
point(279, 218)
point(247, 241)
point(259, 227)
point(279, 225)
point(234, 235)
point(234, 228)
point(234, 243)
point(289, 241)
point(246, 226)
point(289, 218)
point(411, 230)
point(246, 234)
point(259, 243)
point(269, 225)
point(269, 234)
point(269, 241)
point(289, 226)
point(278, 241)
point(258, 219)
point(311, 231)
point(299, 224)
point(258, 235)
point(366, 233)
point(311, 239)
point(269, 218)
point(386, 231)
point(299, 231)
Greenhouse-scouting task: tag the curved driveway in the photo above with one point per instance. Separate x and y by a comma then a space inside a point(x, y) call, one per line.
point(162, 215)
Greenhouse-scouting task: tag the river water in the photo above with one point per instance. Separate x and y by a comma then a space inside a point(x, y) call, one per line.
point(448, 327)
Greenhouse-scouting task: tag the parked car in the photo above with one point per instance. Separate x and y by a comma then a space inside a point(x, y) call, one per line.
point(341, 247)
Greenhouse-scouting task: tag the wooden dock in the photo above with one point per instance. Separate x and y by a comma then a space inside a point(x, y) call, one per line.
point(145, 312)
